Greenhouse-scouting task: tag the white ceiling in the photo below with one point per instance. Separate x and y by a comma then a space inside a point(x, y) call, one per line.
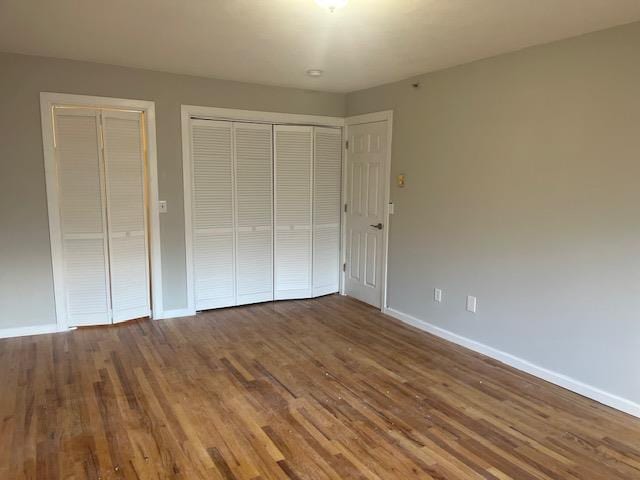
point(367, 43)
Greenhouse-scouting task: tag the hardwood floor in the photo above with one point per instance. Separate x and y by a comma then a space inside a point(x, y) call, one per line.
point(317, 389)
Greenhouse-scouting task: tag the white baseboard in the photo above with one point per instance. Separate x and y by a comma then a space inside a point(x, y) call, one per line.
point(53, 328)
point(26, 331)
point(180, 312)
point(559, 379)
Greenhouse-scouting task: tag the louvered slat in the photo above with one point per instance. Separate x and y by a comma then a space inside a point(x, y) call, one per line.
point(125, 187)
point(327, 166)
point(254, 212)
point(83, 225)
point(213, 214)
point(293, 211)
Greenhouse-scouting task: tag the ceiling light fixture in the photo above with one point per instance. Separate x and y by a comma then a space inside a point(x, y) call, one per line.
point(332, 4)
point(314, 72)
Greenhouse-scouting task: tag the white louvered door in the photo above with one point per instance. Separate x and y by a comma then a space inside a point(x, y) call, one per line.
point(327, 166)
point(126, 214)
point(81, 202)
point(213, 214)
point(293, 172)
point(253, 178)
point(265, 214)
point(101, 201)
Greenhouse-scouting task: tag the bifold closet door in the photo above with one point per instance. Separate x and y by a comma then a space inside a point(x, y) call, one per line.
point(213, 214)
point(293, 167)
point(327, 174)
point(253, 166)
point(83, 225)
point(126, 214)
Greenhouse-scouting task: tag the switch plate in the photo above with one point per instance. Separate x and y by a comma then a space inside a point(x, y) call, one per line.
point(472, 304)
point(162, 206)
point(391, 208)
point(437, 295)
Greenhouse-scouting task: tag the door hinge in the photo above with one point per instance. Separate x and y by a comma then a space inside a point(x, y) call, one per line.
point(344, 267)
point(346, 145)
point(345, 208)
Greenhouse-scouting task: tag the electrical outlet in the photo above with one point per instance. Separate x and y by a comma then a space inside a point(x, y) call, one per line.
point(472, 304)
point(437, 295)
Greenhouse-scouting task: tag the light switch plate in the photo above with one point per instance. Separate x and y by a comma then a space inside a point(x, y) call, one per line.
point(472, 304)
point(391, 208)
point(162, 206)
point(437, 295)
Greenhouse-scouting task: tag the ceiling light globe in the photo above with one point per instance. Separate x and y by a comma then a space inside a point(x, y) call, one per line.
point(332, 4)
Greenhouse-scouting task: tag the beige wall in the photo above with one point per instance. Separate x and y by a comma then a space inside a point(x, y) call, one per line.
point(523, 188)
point(26, 284)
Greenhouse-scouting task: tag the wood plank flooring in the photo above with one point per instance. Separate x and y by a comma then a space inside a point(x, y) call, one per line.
point(318, 389)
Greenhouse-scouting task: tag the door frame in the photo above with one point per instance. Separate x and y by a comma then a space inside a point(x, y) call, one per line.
point(48, 101)
point(229, 115)
point(385, 115)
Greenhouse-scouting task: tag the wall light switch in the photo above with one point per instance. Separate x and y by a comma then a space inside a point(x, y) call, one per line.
point(391, 208)
point(437, 295)
point(472, 304)
point(162, 206)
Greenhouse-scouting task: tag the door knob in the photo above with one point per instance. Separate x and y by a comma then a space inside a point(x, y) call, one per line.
point(378, 226)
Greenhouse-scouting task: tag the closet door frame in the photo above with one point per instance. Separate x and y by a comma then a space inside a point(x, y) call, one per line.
point(48, 101)
point(226, 114)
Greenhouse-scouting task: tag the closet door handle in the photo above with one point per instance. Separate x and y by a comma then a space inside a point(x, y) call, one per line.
point(378, 226)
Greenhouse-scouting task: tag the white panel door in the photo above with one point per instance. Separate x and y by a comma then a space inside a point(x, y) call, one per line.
point(126, 214)
point(366, 159)
point(327, 169)
point(213, 214)
point(253, 175)
point(81, 203)
point(293, 150)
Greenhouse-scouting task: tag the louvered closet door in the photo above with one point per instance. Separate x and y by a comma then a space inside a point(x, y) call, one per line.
point(213, 213)
point(82, 220)
point(254, 212)
point(126, 214)
point(327, 167)
point(293, 212)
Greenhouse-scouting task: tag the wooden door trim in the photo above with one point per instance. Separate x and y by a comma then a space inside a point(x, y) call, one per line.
point(386, 115)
